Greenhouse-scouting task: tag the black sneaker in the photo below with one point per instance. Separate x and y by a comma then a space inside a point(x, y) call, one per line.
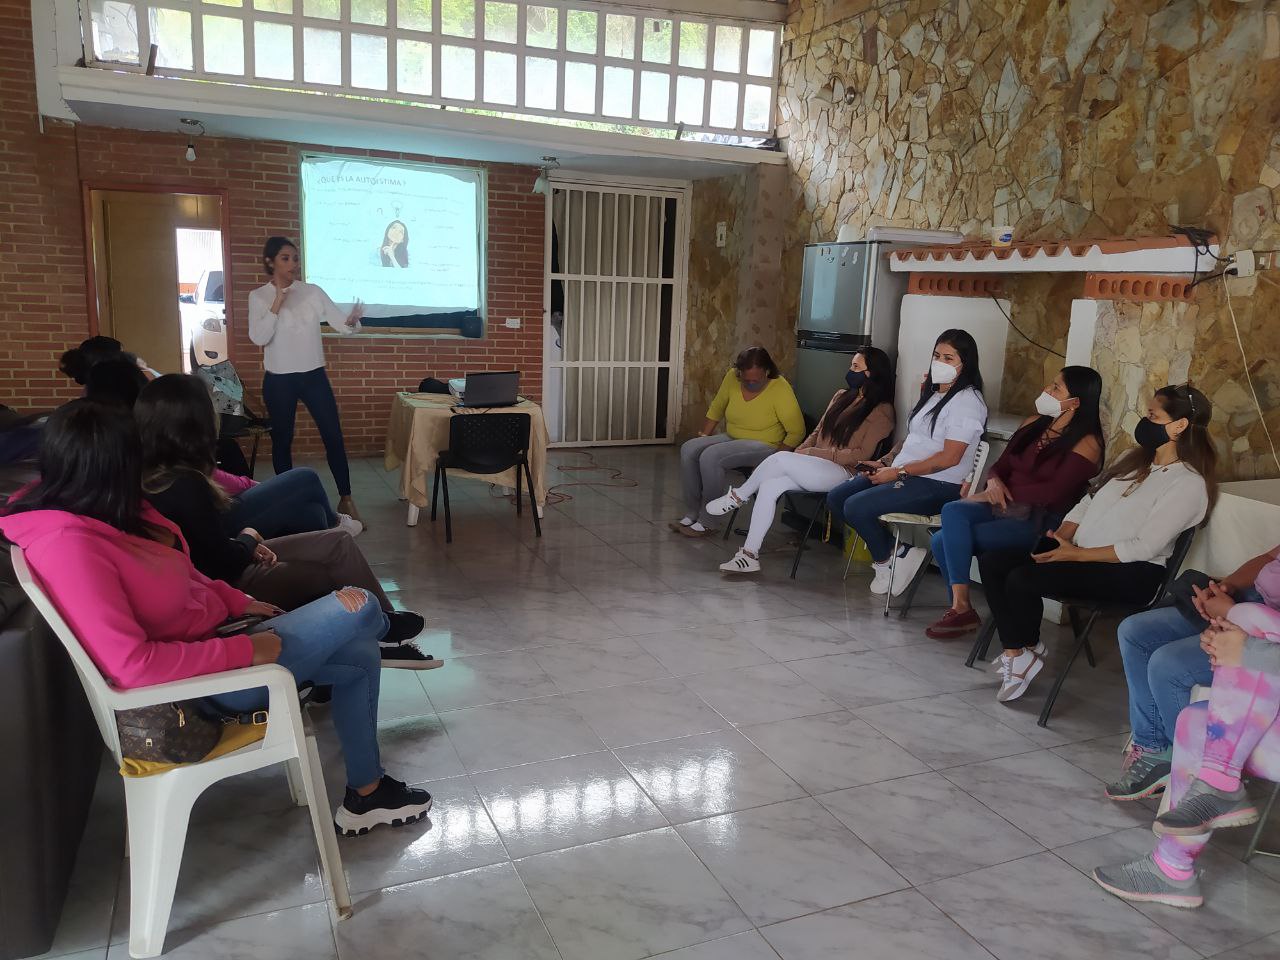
point(392, 802)
point(407, 656)
point(405, 625)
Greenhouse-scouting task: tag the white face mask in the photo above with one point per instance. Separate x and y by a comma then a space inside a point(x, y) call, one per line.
point(1047, 405)
point(943, 372)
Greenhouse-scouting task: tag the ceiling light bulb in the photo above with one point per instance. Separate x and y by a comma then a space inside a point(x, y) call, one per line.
point(191, 152)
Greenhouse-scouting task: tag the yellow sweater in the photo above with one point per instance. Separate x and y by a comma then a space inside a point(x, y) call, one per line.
point(772, 415)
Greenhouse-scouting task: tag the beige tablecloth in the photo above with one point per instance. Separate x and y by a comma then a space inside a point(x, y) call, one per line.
point(419, 429)
point(1244, 523)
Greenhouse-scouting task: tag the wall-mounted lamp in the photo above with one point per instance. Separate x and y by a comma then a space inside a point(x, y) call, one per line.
point(541, 185)
point(193, 128)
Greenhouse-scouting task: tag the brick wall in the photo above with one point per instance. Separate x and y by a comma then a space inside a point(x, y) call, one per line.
point(43, 303)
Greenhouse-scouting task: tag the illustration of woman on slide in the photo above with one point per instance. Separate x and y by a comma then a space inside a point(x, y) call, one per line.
point(395, 245)
point(285, 315)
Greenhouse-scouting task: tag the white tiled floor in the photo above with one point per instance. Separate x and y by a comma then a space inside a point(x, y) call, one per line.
point(633, 756)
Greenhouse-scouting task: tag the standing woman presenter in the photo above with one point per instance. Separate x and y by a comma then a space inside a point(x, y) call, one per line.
point(285, 315)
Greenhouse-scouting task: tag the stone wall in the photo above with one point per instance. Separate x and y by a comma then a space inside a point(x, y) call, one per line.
point(1065, 119)
point(735, 291)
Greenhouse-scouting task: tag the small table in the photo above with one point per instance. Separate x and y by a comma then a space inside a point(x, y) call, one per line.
point(1244, 523)
point(419, 429)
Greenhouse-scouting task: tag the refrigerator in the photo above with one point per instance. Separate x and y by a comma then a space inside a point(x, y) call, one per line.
point(849, 299)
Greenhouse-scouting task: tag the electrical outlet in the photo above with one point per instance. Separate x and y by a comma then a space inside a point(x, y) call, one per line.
point(1267, 259)
point(722, 233)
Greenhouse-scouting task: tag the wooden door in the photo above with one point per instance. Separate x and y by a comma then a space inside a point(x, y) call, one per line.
point(142, 276)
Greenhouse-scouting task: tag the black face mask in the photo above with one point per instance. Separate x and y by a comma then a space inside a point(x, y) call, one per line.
point(1150, 436)
point(855, 379)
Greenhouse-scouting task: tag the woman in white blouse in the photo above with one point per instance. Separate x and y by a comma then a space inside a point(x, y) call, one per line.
point(925, 470)
point(285, 315)
point(1114, 545)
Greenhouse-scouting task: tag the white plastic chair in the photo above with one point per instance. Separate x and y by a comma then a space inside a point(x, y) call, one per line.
point(158, 807)
point(977, 476)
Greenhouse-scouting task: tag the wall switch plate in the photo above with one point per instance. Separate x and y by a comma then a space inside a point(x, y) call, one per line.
point(722, 233)
point(513, 323)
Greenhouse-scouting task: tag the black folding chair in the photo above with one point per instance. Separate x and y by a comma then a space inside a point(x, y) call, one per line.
point(733, 517)
point(1081, 628)
point(485, 443)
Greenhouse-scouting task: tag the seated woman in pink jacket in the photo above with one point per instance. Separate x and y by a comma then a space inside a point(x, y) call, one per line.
point(1236, 731)
point(119, 573)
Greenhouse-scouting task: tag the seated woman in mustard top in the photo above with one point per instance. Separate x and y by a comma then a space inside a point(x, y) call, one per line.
point(761, 416)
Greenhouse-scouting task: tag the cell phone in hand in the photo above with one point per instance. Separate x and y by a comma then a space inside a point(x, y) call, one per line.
point(239, 625)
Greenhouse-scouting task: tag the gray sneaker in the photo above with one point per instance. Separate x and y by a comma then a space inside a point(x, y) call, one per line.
point(1145, 772)
point(1144, 882)
point(1204, 808)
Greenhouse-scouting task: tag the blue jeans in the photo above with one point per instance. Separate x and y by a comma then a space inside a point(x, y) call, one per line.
point(970, 528)
point(281, 393)
point(1162, 662)
point(292, 502)
point(325, 643)
point(861, 503)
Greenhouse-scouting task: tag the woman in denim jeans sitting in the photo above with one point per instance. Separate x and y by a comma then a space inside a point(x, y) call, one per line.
point(1163, 661)
point(119, 574)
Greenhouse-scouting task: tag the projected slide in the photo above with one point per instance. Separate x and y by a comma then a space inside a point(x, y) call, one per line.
point(402, 237)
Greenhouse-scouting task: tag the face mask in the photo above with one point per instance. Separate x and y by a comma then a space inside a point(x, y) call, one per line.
point(855, 379)
point(755, 386)
point(943, 372)
point(1150, 436)
point(1047, 405)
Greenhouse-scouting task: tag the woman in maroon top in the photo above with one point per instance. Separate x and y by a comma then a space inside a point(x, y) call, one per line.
point(1041, 474)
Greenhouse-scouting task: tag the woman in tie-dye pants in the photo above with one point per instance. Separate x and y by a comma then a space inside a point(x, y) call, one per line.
point(1237, 731)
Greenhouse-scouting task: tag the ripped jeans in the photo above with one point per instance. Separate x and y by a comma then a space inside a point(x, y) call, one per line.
point(325, 643)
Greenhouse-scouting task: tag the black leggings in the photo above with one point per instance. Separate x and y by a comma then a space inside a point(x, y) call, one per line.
point(1015, 586)
point(281, 393)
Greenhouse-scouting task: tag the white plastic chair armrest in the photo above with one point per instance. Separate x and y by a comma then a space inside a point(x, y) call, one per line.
point(270, 675)
point(912, 519)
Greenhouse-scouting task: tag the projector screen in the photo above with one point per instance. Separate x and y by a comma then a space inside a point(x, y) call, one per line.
point(406, 238)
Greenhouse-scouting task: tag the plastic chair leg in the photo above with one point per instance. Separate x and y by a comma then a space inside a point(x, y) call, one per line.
point(159, 810)
point(317, 798)
point(1082, 640)
point(293, 773)
point(1252, 849)
point(533, 502)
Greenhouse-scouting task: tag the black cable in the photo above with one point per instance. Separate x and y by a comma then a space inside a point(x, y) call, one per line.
point(1021, 334)
point(1209, 276)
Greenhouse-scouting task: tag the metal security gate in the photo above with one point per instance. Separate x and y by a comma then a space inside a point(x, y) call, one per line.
point(616, 261)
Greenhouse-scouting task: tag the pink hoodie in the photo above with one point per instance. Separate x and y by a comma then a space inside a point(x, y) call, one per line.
point(231, 484)
point(144, 614)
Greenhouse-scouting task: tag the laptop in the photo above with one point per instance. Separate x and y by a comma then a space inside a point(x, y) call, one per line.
point(491, 389)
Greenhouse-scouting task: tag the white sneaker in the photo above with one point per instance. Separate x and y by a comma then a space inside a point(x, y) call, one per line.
point(742, 562)
point(907, 567)
point(350, 524)
point(880, 582)
point(726, 504)
point(1040, 649)
point(1016, 674)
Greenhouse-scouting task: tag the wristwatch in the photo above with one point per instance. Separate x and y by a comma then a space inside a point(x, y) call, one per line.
point(902, 473)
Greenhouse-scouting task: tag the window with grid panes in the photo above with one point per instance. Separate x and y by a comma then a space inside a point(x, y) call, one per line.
point(558, 58)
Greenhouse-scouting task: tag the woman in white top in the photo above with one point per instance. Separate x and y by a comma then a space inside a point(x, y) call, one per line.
point(925, 470)
point(1114, 544)
point(285, 315)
